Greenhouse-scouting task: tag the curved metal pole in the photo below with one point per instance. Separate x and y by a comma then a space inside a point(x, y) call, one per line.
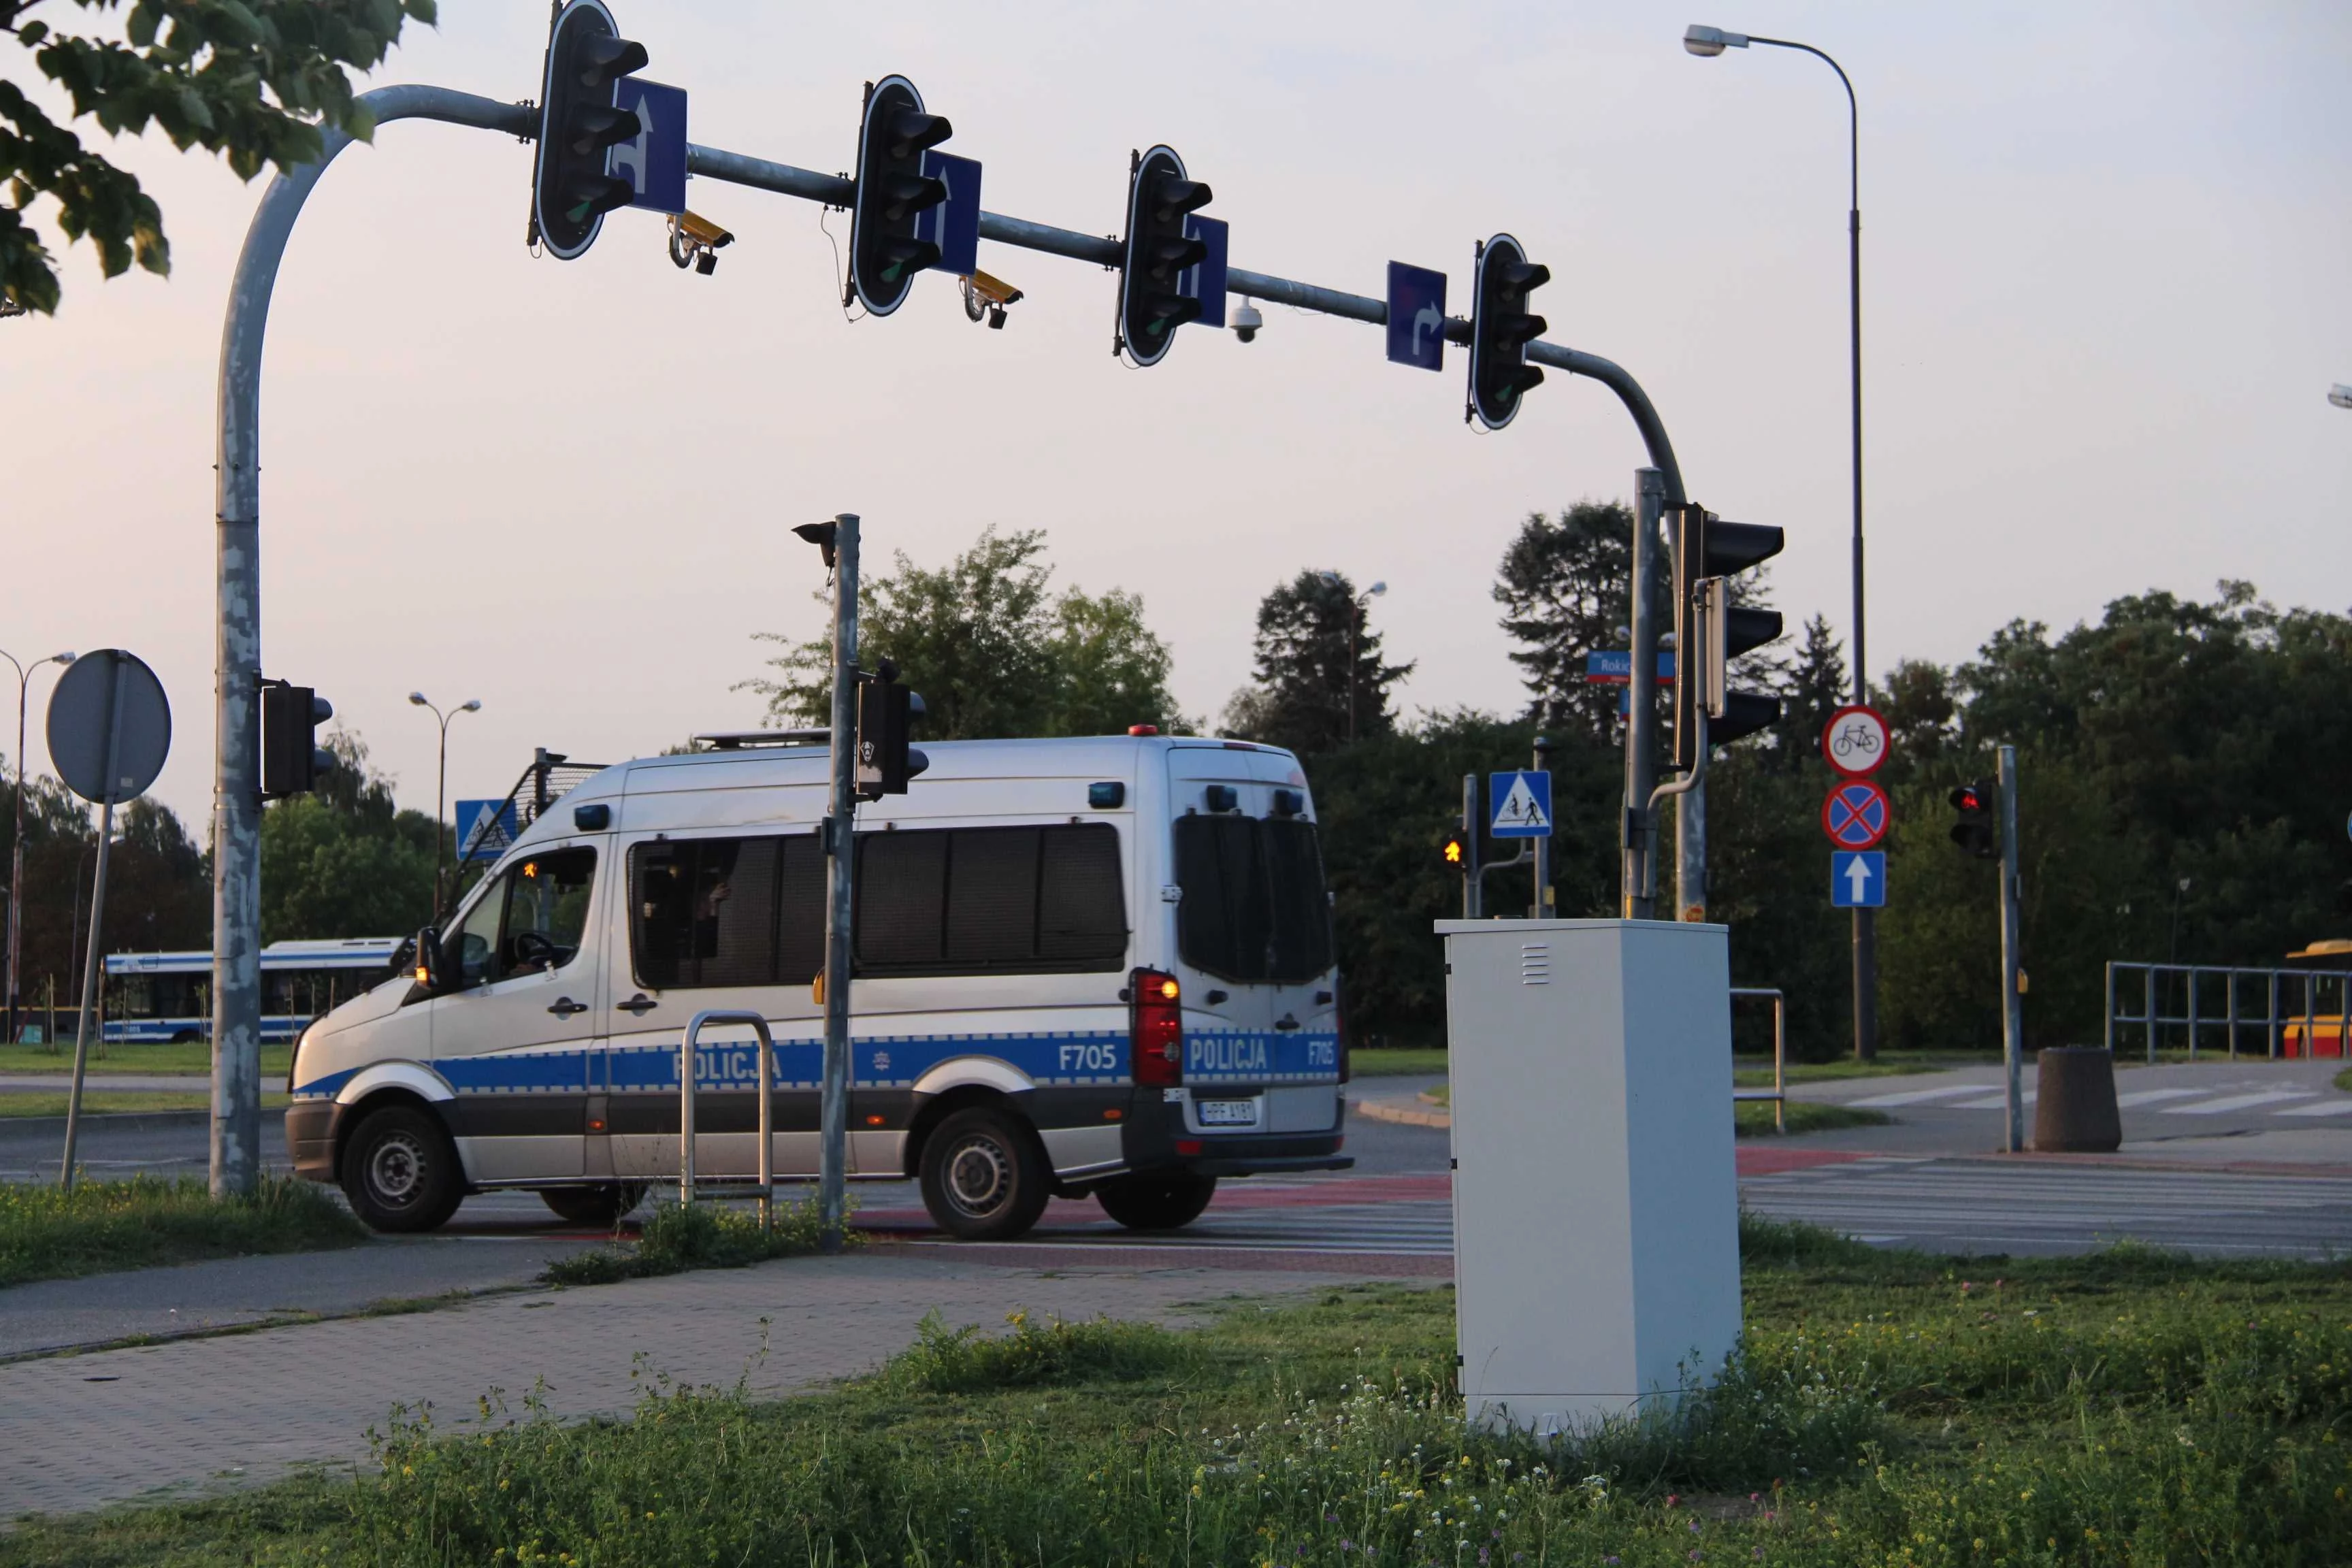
point(236, 783)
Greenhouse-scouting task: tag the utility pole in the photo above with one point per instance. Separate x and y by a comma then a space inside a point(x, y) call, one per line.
point(2013, 1005)
point(1641, 714)
point(841, 846)
point(1545, 905)
point(1473, 881)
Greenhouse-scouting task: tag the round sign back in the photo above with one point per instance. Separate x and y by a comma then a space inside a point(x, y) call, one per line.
point(1855, 739)
point(110, 726)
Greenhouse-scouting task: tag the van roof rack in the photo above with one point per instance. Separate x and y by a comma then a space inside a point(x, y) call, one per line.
point(736, 739)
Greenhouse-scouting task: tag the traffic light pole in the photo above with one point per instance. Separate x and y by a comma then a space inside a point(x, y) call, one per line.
point(237, 802)
point(2013, 1004)
point(1640, 835)
point(841, 865)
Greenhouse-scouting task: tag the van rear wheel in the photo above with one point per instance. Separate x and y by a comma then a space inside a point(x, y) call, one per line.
point(984, 1176)
point(400, 1171)
point(1156, 1200)
point(600, 1206)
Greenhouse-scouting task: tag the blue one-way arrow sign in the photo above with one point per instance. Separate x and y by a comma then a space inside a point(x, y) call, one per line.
point(1858, 878)
point(654, 160)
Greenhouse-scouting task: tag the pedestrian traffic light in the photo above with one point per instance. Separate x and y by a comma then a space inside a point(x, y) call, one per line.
point(1975, 832)
point(291, 758)
point(892, 191)
point(1454, 854)
point(1500, 330)
point(1707, 550)
point(571, 192)
point(886, 711)
point(1151, 301)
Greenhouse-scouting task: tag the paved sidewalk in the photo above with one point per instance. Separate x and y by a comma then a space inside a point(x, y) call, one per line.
point(114, 1426)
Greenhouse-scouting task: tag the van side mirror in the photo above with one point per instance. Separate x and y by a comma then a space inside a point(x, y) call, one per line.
point(432, 971)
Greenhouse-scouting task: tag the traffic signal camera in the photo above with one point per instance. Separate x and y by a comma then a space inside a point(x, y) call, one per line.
point(571, 192)
point(1708, 551)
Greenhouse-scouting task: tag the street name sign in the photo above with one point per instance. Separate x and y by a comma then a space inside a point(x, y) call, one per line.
point(1854, 740)
point(1518, 805)
point(1856, 814)
point(1614, 666)
point(1416, 317)
point(1858, 878)
point(655, 160)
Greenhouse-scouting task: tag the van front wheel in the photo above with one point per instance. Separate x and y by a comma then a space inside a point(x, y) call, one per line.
point(400, 1171)
point(1156, 1200)
point(984, 1177)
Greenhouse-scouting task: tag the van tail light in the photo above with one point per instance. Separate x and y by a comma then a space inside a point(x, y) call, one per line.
point(1156, 1028)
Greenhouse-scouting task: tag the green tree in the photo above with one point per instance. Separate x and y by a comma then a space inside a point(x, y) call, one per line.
point(1320, 680)
point(1812, 687)
point(347, 862)
point(1563, 587)
point(993, 649)
point(254, 79)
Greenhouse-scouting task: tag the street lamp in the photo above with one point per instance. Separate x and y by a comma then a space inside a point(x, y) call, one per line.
point(1355, 625)
point(2340, 395)
point(441, 788)
point(1707, 42)
point(16, 842)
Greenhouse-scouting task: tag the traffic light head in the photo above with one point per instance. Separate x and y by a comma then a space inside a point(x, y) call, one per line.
point(1976, 831)
point(886, 712)
point(571, 192)
point(1160, 248)
point(1710, 631)
point(1501, 327)
point(292, 761)
point(893, 192)
point(1455, 855)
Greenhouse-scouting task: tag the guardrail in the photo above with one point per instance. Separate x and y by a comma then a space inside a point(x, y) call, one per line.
point(1778, 1093)
point(765, 1187)
point(2195, 983)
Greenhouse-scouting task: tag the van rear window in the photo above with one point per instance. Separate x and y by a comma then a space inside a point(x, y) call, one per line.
point(984, 900)
point(1254, 909)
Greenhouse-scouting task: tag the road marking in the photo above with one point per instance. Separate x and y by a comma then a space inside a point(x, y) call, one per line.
point(2239, 1102)
point(1993, 1101)
point(1918, 1096)
point(2324, 1108)
point(2151, 1096)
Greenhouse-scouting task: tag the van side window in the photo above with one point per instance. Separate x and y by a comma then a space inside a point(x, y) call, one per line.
point(990, 901)
point(531, 920)
point(1254, 908)
point(727, 912)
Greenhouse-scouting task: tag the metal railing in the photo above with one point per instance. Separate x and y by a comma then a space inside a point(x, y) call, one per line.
point(765, 1187)
point(2287, 999)
point(1778, 1093)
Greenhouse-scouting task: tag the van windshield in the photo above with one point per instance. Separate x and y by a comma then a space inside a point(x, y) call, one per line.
point(1253, 908)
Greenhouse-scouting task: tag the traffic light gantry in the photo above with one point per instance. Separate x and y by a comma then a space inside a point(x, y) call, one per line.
point(570, 190)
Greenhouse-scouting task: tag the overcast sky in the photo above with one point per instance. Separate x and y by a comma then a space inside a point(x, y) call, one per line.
point(2106, 258)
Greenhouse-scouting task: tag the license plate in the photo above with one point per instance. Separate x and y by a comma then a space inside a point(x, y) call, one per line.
point(1226, 1112)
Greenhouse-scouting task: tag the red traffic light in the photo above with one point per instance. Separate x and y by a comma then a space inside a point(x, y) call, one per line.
point(1969, 798)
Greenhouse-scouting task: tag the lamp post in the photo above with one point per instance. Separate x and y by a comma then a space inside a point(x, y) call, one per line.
point(1356, 603)
point(441, 788)
point(1707, 42)
point(16, 840)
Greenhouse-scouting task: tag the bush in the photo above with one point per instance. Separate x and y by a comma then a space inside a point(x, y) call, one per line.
point(959, 1361)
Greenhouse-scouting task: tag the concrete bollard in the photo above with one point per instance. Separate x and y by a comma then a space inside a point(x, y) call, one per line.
point(2076, 1111)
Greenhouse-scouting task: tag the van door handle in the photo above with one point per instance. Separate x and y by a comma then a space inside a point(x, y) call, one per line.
point(640, 1005)
point(565, 1006)
point(1286, 1022)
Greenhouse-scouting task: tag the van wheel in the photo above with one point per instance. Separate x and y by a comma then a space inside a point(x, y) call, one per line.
point(984, 1177)
point(400, 1171)
point(601, 1207)
point(1156, 1200)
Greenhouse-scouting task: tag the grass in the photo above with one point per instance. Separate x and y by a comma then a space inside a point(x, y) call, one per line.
point(2344, 1080)
point(1390, 1062)
point(2130, 1407)
point(1752, 1072)
point(706, 1236)
point(102, 1227)
point(1753, 1118)
point(96, 1101)
point(191, 1056)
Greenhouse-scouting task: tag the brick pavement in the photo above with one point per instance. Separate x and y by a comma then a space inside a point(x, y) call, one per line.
point(110, 1427)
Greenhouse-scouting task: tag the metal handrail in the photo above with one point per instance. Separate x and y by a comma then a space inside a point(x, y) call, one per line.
point(2193, 1020)
point(766, 1189)
point(1778, 1093)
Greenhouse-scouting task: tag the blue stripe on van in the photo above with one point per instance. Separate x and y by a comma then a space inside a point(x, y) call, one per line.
point(1076, 1058)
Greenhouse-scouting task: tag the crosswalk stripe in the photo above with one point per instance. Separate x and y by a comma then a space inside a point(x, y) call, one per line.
point(2238, 1102)
point(1994, 1101)
point(2324, 1108)
point(2151, 1096)
point(1917, 1096)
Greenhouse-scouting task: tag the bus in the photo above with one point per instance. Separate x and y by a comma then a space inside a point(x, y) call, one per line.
point(154, 997)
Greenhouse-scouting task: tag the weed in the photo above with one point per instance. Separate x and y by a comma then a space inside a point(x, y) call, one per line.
point(47, 1233)
point(678, 1237)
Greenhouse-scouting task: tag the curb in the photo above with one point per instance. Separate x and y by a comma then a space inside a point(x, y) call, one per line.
point(1405, 1113)
point(125, 1121)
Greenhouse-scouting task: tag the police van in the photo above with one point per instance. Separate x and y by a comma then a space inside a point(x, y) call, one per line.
point(1083, 966)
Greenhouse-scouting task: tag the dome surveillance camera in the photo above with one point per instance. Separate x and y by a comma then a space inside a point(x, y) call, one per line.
point(1248, 320)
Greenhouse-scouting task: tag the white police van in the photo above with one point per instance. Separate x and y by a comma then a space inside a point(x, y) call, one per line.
point(1083, 966)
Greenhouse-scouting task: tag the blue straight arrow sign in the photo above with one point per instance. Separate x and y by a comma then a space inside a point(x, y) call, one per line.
point(1858, 878)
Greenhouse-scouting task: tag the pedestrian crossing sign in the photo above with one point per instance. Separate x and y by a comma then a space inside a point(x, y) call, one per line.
point(485, 828)
point(1519, 804)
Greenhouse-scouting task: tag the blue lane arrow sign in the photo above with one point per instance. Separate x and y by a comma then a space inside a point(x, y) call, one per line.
point(1205, 279)
point(1518, 805)
point(1416, 317)
point(655, 162)
point(1858, 878)
point(954, 224)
